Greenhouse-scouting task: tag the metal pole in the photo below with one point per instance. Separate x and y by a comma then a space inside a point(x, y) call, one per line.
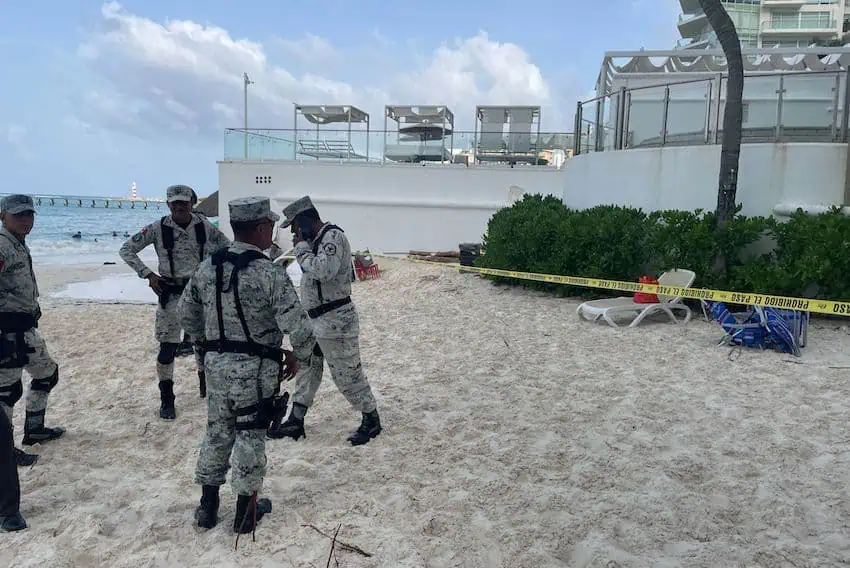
point(664, 115)
point(349, 134)
point(475, 137)
point(621, 116)
point(836, 91)
point(295, 131)
point(778, 126)
point(708, 103)
point(443, 141)
point(368, 135)
point(384, 154)
point(717, 114)
point(537, 146)
point(627, 112)
point(600, 111)
point(247, 82)
point(577, 130)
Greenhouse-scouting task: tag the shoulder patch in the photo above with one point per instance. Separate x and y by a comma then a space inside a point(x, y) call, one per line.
point(138, 237)
point(329, 248)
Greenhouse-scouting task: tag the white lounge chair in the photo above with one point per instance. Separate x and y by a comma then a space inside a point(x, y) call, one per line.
point(610, 308)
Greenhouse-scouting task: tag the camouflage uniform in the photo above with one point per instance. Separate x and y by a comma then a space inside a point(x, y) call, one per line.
point(186, 255)
point(240, 360)
point(21, 346)
point(326, 294)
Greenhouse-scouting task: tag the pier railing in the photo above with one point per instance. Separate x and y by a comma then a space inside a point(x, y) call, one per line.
point(391, 147)
point(101, 202)
point(792, 106)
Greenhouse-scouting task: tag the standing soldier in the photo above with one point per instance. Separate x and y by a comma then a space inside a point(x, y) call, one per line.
point(21, 346)
point(324, 254)
point(243, 304)
point(182, 240)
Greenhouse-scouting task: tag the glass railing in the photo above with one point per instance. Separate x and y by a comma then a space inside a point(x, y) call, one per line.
point(801, 24)
point(805, 106)
point(358, 145)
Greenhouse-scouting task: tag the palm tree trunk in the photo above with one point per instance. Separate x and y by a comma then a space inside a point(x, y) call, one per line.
point(730, 149)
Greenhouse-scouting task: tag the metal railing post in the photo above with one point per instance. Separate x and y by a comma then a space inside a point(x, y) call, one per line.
point(778, 126)
point(717, 112)
point(708, 102)
point(664, 115)
point(600, 111)
point(845, 107)
point(626, 117)
point(836, 91)
point(577, 129)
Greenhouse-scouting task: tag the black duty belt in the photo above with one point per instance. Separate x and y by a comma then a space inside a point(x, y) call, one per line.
point(325, 308)
point(249, 348)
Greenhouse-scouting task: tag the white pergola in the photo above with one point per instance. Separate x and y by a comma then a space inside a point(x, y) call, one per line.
point(331, 114)
point(421, 115)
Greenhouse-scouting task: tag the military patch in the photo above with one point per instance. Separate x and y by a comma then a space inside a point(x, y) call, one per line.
point(137, 238)
point(330, 249)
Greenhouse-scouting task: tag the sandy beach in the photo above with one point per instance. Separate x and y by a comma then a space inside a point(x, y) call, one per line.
point(515, 435)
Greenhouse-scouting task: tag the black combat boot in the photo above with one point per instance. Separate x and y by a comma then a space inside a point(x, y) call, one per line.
point(202, 383)
point(293, 427)
point(207, 512)
point(370, 427)
point(248, 514)
point(36, 432)
point(12, 523)
point(166, 394)
point(24, 459)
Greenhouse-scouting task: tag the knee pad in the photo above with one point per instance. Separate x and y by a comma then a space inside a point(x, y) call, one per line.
point(11, 394)
point(46, 384)
point(167, 353)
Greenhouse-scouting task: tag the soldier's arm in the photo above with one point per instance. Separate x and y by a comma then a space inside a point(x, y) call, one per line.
point(190, 309)
point(325, 264)
point(290, 315)
point(131, 248)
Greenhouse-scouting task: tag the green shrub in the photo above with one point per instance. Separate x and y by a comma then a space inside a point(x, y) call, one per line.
point(806, 255)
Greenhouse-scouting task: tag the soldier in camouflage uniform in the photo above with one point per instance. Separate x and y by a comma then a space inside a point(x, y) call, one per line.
point(243, 304)
point(181, 240)
point(324, 254)
point(21, 346)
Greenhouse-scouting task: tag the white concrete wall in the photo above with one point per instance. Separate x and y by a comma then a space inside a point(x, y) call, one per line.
point(687, 177)
point(389, 208)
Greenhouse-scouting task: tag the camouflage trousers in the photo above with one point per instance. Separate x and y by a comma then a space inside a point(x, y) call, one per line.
point(338, 334)
point(231, 386)
point(167, 329)
point(43, 371)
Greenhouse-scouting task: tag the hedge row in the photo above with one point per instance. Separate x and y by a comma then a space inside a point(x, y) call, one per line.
point(806, 255)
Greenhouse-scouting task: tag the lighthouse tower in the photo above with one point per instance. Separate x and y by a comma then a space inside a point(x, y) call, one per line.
point(133, 194)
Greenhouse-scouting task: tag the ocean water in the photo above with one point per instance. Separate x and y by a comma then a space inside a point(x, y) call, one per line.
point(51, 239)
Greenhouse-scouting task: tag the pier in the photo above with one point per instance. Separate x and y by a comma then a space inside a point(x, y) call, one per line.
point(104, 202)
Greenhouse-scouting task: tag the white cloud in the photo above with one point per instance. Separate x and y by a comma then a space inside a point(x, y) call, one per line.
point(16, 138)
point(180, 78)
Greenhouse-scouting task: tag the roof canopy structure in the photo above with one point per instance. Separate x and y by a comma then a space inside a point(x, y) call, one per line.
point(334, 148)
point(657, 67)
point(420, 114)
point(329, 114)
point(418, 127)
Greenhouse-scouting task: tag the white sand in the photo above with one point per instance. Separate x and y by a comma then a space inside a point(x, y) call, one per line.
point(515, 435)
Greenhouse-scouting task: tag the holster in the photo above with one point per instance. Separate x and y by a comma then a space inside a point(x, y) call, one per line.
point(278, 409)
point(170, 288)
point(14, 352)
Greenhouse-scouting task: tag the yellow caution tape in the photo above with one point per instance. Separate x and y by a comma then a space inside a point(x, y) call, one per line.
point(829, 307)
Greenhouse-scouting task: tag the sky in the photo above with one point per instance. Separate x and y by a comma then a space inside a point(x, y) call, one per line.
point(97, 96)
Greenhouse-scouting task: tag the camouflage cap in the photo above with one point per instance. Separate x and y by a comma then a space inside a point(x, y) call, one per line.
point(251, 209)
point(295, 208)
point(179, 193)
point(14, 204)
